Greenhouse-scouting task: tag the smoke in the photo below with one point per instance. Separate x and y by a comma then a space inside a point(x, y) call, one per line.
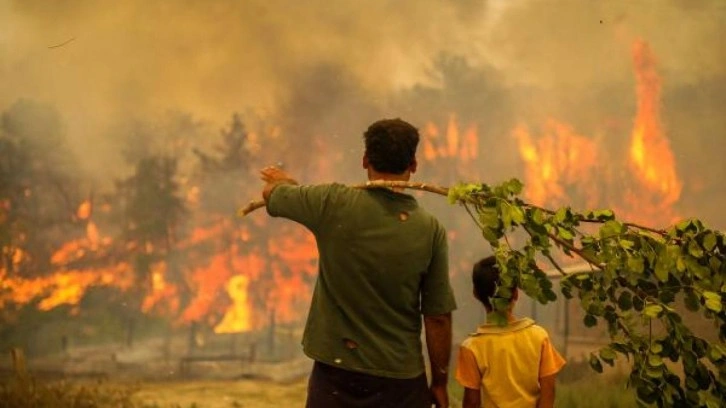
point(138, 58)
point(318, 68)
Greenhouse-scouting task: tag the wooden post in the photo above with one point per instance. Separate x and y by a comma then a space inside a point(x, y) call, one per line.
point(19, 364)
point(271, 334)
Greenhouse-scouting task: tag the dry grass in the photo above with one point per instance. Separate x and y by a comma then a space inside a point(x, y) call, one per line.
point(221, 394)
point(598, 391)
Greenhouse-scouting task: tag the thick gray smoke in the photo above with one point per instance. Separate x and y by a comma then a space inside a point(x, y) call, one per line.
point(317, 67)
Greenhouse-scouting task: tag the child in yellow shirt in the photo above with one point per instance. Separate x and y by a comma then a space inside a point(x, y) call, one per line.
point(508, 366)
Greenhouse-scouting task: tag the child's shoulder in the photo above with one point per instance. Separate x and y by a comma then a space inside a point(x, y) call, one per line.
point(522, 327)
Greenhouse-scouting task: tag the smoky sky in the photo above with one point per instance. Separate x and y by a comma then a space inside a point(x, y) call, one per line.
point(320, 66)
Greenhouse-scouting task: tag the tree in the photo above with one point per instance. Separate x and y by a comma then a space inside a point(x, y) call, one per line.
point(153, 213)
point(225, 171)
point(38, 196)
point(639, 276)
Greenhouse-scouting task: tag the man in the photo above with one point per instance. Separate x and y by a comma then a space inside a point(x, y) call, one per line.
point(383, 264)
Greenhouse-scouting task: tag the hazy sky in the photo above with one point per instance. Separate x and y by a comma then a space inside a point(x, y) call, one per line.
point(139, 58)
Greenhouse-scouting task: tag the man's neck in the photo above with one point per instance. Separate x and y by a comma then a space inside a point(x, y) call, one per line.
point(375, 175)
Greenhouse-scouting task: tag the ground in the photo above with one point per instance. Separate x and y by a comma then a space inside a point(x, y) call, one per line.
point(222, 394)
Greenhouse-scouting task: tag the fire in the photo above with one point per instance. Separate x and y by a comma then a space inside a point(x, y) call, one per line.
point(84, 210)
point(561, 162)
point(650, 152)
point(238, 318)
point(558, 160)
point(237, 275)
point(162, 295)
point(452, 144)
point(63, 287)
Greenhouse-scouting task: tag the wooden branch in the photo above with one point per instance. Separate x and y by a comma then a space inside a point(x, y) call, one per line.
point(254, 205)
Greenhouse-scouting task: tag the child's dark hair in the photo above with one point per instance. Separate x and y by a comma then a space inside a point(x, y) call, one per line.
point(485, 276)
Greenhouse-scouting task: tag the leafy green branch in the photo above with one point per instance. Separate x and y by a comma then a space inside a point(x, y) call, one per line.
point(640, 282)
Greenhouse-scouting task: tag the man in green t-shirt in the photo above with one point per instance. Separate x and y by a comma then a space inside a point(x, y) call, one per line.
point(383, 265)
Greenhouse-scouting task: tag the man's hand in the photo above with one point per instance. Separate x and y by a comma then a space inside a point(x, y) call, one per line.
point(274, 176)
point(439, 396)
point(438, 343)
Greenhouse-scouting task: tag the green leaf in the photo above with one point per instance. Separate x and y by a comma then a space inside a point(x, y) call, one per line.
point(712, 301)
point(636, 264)
point(611, 228)
point(561, 215)
point(488, 217)
point(695, 250)
point(514, 186)
point(564, 234)
point(653, 310)
point(595, 363)
point(714, 353)
point(692, 302)
point(608, 355)
point(656, 348)
point(590, 320)
point(517, 214)
point(709, 241)
point(490, 235)
point(627, 244)
point(604, 215)
point(625, 301)
point(655, 360)
point(663, 266)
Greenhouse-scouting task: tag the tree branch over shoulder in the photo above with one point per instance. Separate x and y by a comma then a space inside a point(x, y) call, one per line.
point(638, 275)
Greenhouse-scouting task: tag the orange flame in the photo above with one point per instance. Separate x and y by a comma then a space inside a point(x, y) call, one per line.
point(238, 318)
point(453, 144)
point(556, 161)
point(650, 152)
point(561, 162)
point(84, 210)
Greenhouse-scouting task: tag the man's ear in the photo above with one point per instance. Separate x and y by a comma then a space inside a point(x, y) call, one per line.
point(366, 164)
point(413, 166)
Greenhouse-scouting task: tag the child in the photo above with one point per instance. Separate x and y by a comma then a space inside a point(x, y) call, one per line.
point(506, 366)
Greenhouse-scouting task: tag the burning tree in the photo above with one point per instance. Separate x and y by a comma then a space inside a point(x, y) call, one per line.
point(153, 213)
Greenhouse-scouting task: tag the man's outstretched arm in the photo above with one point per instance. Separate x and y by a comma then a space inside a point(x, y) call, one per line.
point(273, 176)
point(438, 343)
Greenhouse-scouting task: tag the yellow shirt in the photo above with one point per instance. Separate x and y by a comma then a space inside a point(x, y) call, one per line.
point(506, 363)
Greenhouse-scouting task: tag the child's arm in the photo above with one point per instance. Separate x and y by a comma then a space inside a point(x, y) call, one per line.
point(469, 376)
point(546, 391)
point(472, 398)
point(550, 364)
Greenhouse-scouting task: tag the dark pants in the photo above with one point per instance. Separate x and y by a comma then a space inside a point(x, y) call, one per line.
point(332, 387)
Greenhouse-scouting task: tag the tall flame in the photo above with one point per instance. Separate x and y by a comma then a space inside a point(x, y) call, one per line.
point(562, 163)
point(239, 315)
point(650, 152)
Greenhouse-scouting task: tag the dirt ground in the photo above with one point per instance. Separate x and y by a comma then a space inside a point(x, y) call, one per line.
point(230, 394)
point(222, 394)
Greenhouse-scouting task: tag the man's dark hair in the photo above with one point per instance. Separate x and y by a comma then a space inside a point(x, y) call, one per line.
point(485, 276)
point(391, 145)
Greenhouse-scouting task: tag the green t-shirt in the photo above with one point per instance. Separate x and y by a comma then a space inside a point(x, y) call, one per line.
point(383, 263)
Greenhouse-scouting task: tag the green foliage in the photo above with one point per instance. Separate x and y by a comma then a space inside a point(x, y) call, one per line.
point(638, 274)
